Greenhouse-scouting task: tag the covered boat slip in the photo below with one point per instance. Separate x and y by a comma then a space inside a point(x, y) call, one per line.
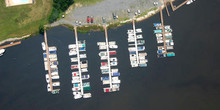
point(135, 43)
point(108, 63)
point(79, 68)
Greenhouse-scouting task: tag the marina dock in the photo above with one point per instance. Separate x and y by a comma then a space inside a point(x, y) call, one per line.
point(136, 47)
point(79, 67)
point(164, 35)
point(174, 8)
point(108, 64)
point(10, 45)
point(47, 63)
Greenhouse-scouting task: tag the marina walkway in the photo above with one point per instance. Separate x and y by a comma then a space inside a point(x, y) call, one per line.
point(163, 31)
point(9, 45)
point(135, 41)
point(107, 51)
point(48, 60)
point(78, 58)
point(174, 8)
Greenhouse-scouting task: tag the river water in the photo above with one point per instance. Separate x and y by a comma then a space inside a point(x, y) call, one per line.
point(189, 81)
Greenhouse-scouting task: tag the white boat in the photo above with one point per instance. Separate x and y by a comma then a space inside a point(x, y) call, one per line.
point(72, 46)
point(113, 63)
point(72, 52)
point(54, 73)
point(76, 87)
point(56, 83)
point(82, 55)
point(113, 46)
point(104, 57)
point(138, 30)
point(87, 95)
point(73, 59)
point(52, 48)
point(116, 80)
point(55, 77)
point(77, 96)
point(139, 36)
point(48, 88)
point(113, 59)
point(101, 43)
point(75, 79)
point(47, 78)
point(130, 31)
point(52, 56)
point(43, 45)
point(102, 47)
point(2, 51)
point(75, 73)
point(84, 70)
point(112, 43)
point(189, 2)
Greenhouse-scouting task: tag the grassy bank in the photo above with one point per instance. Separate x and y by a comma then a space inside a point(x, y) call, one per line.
point(21, 20)
point(87, 2)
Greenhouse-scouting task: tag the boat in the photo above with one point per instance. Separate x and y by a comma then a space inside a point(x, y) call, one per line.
point(76, 87)
point(143, 65)
point(48, 88)
point(112, 43)
point(113, 63)
point(141, 48)
point(103, 53)
point(52, 48)
point(138, 30)
point(86, 86)
point(157, 24)
point(74, 59)
point(72, 52)
point(113, 46)
point(55, 77)
point(77, 95)
point(75, 79)
point(2, 51)
point(74, 67)
point(47, 78)
point(75, 73)
point(112, 52)
point(84, 70)
point(157, 31)
point(101, 43)
point(43, 45)
point(84, 77)
point(139, 36)
point(104, 63)
point(104, 57)
point(54, 73)
point(189, 2)
point(116, 80)
point(116, 74)
point(56, 83)
point(72, 46)
point(113, 59)
point(107, 89)
point(105, 71)
point(102, 47)
point(87, 95)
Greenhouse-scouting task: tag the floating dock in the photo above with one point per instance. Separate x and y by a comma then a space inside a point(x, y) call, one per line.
point(164, 36)
point(10, 45)
point(136, 47)
point(109, 67)
point(79, 68)
point(174, 8)
point(50, 66)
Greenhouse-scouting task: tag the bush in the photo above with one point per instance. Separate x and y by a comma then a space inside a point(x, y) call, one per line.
point(54, 15)
point(41, 29)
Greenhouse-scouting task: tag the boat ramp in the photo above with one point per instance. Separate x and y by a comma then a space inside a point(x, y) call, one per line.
point(79, 69)
point(51, 63)
point(109, 64)
point(136, 47)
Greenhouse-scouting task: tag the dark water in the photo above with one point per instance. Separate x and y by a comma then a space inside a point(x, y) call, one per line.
point(189, 81)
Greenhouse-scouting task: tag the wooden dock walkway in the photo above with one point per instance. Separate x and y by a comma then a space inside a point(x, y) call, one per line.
point(9, 45)
point(163, 31)
point(107, 50)
point(174, 8)
point(165, 4)
point(135, 40)
point(48, 60)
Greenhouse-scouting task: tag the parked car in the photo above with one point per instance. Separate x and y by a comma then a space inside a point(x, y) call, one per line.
point(103, 19)
point(87, 19)
point(91, 19)
point(114, 16)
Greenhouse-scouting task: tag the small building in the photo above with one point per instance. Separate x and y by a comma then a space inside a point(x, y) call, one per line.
point(18, 2)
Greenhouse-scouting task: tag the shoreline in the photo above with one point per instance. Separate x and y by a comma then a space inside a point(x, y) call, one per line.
point(115, 25)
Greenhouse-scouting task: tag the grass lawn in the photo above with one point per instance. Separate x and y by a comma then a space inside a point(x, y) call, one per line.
point(87, 2)
point(21, 20)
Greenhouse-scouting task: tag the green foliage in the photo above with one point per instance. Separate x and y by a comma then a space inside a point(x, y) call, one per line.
point(54, 15)
point(41, 29)
point(59, 6)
